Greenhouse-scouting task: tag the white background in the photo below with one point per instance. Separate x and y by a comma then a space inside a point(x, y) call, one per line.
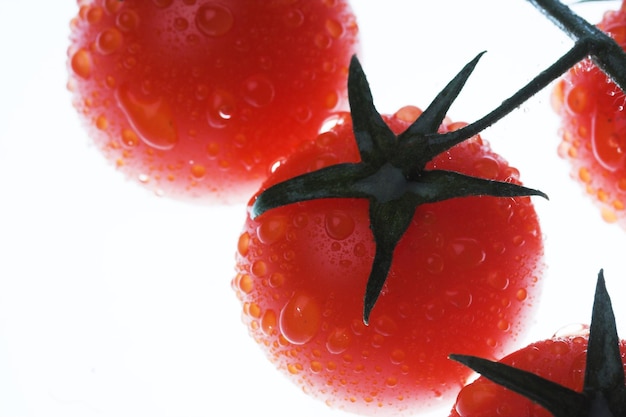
point(114, 302)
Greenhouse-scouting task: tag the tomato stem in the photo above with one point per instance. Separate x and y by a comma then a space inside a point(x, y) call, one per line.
point(391, 174)
point(589, 42)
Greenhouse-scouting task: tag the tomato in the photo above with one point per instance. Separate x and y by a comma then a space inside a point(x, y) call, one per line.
point(198, 99)
point(574, 374)
point(593, 128)
point(463, 276)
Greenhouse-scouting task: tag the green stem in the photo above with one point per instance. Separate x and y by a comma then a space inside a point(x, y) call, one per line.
point(589, 42)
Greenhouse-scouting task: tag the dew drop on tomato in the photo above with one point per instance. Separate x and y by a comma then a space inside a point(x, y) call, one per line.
point(258, 91)
point(300, 319)
point(384, 325)
point(129, 138)
point(112, 6)
point(293, 18)
point(269, 322)
point(608, 143)
point(152, 119)
point(109, 41)
point(339, 225)
point(127, 20)
point(221, 109)
point(214, 20)
point(334, 28)
point(459, 297)
point(81, 63)
point(272, 230)
point(181, 24)
point(497, 281)
point(198, 171)
point(338, 340)
point(466, 252)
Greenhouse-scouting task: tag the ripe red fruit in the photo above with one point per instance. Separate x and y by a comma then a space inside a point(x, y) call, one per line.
point(575, 375)
point(199, 99)
point(463, 275)
point(593, 127)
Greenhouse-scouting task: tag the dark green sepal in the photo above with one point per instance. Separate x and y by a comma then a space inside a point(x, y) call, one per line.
point(559, 400)
point(604, 392)
point(421, 139)
point(391, 174)
point(375, 140)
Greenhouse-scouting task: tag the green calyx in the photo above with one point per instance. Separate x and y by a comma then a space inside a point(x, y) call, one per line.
point(604, 392)
point(391, 174)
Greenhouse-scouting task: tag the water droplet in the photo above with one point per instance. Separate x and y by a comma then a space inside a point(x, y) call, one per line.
point(303, 114)
point(214, 19)
point(433, 311)
point(558, 347)
point(300, 319)
point(253, 310)
point(198, 171)
point(322, 41)
point(245, 283)
point(487, 167)
point(316, 367)
point(334, 28)
point(384, 325)
point(152, 119)
point(243, 244)
point(504, 325)
point(109, 40)
point(459, 297)
point(129, 138)
point(272, 229)
point(112, 6)
point(338, 341)
point(102, 123)
point(269, 322)
point(466, 252)
point(434, 263)
point(181, 24)
point(259, 268)
point(81, 63)
point(258, 91)
point(213, 149)
point(93, 15)
point(293, 18)
point(359, 250)
point(339, 225)
point(497, 280)
point(391, 381)
point(127, 20)
point(221, 109)
point(276, 280)
point(398, 356)
point(608, 145)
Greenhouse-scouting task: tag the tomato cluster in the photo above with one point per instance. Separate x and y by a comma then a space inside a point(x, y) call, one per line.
point(375, 246)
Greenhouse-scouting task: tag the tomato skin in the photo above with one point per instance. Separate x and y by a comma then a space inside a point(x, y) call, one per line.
point(463, 277)
point(560, 359)
point(198, 99)
point(593, 128)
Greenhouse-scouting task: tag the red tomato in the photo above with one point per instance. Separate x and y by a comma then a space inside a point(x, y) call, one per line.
point(559, 359)
point(198, 99)
point(593, 128)
point(579, 374)
point(464, 276)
